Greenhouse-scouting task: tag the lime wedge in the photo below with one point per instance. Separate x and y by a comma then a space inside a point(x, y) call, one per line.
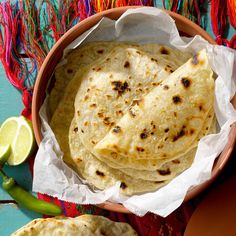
point(5, 152)
point(18, 133)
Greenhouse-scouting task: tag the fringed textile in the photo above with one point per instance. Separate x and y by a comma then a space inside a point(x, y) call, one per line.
point(194, 10)
point(29, 29)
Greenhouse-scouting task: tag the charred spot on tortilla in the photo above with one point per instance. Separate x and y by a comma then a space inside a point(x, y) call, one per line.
point(108, 96)
point(100, 51)
point(107, 121)
point(86, 123)
point(78, 113)
point(114, 155)
point(116, 129)
point(120, 87)
point(176, 99)
point(127, 64)
point(166, 138)
point(93, 142)
point(164, 51)
point(180, 134)
point(165, 87)
point(200, 107)
point(93, 105)
point(169, 69)
point(99, 173)
point(158, 182)
point(144, 135)
point(140, 149)
point(86, 97)
point(175, 161)
point(76, 129)
point(118, 113)
point(123, 185)
point(153, 59)
point(186, 82)
point(78, 160)
point(160, 146)
point(192, 131)
point(166, 130)
point(100, 114)
point(70, 71)
point(175, 114)
point(82, 131)
point(207, 128)
point(108, 59)
point(164, 172)
point(115, 146)
point(152, 133)
point(153, 125)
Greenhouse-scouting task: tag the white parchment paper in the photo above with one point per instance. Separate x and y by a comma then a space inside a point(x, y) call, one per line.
point(143, 25)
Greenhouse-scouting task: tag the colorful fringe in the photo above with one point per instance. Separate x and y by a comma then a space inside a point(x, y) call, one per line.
point(29, 29)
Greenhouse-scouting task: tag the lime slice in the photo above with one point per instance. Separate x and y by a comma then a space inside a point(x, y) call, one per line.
point(17, 132)
point(5, 152)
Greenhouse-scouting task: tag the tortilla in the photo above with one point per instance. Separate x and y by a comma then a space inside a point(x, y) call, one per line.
point(112, 84)
point(75, 60)
point(89, 85)
point(82, 161)
point(154, 164)
point(100, 175)
point(166, 122)
point(85, 225)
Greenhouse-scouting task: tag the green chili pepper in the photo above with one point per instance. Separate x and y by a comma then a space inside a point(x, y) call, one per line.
point(26, 199)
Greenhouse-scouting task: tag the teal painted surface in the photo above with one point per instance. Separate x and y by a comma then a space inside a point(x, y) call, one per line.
point(11, 105)
point(13, 218)
point(21, 174)
point(10, 98)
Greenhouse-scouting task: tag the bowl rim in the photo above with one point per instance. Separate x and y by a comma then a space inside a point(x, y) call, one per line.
point(117, 207)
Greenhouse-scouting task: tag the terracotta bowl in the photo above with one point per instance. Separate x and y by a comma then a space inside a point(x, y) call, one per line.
point(185, 27)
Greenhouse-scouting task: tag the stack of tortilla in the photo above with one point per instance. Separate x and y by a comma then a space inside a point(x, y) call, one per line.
point(131, 113)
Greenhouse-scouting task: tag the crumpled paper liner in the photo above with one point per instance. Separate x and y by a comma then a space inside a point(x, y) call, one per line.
point(143, 25)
